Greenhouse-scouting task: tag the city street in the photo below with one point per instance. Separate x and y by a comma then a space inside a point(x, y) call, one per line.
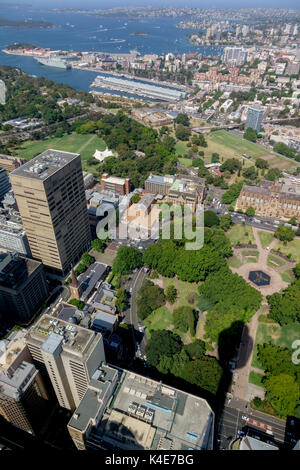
point(231, 420)
point(130, 315)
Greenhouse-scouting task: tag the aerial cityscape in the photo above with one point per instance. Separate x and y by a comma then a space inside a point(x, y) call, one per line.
point(149, 229)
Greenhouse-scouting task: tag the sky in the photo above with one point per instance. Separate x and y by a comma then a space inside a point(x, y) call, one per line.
point(176, 3)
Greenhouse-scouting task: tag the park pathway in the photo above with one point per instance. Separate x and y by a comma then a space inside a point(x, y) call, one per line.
point(245, 358)
point(86, 143)
point(242, 388)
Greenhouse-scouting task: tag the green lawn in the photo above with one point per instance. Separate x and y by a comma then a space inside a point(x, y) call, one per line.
point(159, 319)
point(292, 248)
point(239, 145)
point(229, 146)
point(69, 143)
point(181, 148)
point(185, 162)
point(275, 262)
point(256, 378)
point(251, 256)
point(265, 238)
point(287, 276)
point(184, 289)
point(235, 262)
point(237, 233)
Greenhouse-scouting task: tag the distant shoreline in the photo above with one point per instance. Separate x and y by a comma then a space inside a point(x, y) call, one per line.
point(4, 23)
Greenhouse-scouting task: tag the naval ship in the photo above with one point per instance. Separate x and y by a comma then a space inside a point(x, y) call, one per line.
point(54, 61)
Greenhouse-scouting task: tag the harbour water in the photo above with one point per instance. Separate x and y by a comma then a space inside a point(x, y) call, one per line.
point(80, 32)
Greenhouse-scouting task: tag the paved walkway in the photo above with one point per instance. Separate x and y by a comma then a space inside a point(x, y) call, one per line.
point(242, 389)
point(276, 281)
point(245, 358)
point(86, 143)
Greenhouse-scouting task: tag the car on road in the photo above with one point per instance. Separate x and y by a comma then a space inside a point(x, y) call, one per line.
point(130, 290)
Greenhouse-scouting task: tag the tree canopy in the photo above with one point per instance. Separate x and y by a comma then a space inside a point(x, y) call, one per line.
point(150, 297)
point(127, 260)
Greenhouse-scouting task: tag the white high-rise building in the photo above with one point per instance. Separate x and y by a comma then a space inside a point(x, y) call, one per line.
point(2, 92)
point(234, 56)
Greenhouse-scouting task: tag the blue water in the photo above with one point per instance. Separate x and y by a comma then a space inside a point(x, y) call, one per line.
point(83, 33)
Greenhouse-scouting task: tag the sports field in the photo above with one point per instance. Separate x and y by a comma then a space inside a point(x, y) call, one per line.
point(228, 146)
point(77, 143)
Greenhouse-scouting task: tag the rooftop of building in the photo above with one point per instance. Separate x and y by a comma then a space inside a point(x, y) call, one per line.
point(15, 269)
point(10, 348)
point(45, 165)
point(104, 321)
point(105, 300)
point(91, 403)
point(169, 417)
point(113, 179)
point(68, 313)
point(10, 221)
point(75, 339)
point(90, 278)
point(13, 386)
point(250, 443)
point(286, 188)
point(158, 179)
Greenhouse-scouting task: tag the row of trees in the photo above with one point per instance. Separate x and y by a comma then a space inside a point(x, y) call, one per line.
point(170, 259)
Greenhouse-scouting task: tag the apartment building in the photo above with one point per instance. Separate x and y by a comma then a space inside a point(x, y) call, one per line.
point(254, 117)
point(50, 194)
point(234, 56)
point(23, 286)
point(24, 400)
point(68, 354)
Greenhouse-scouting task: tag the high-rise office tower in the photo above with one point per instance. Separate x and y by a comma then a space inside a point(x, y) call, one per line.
point(24, 400)
point(4, 183)
point(254, 117)
point(50, 194)
point(23, 286)
point(68, 354)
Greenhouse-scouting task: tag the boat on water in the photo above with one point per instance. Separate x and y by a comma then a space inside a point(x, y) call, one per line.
point(54, 61)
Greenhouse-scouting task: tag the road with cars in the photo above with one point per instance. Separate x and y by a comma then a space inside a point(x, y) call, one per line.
point(237, 417)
